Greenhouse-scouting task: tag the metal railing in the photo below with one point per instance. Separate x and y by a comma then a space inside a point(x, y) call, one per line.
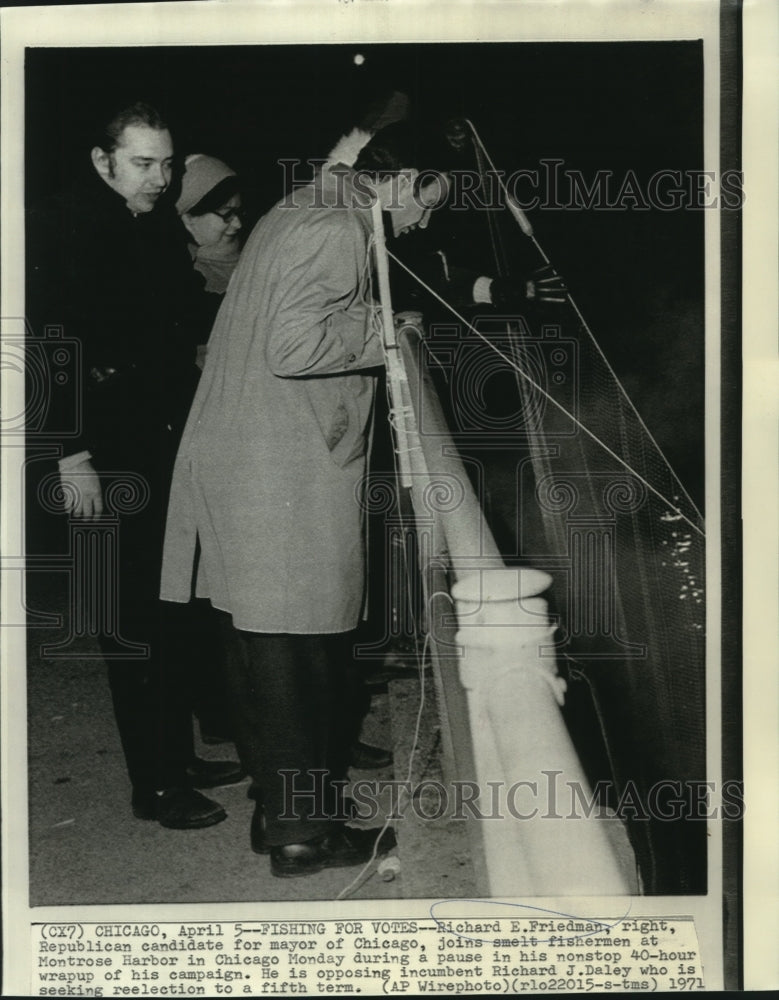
point(499, 694)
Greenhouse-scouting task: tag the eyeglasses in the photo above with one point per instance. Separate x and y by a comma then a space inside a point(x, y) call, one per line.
point(230, 214)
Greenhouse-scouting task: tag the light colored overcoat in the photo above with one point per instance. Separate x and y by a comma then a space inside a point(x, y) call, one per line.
point(269, 472)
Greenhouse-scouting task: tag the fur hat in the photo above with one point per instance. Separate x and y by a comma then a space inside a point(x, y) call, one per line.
point(201, 174)
point(348, 147)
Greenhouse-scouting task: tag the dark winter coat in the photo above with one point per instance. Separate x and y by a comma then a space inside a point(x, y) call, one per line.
point(123, 288)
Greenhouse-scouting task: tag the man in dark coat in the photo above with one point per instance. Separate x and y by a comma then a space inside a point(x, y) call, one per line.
point(108, 263)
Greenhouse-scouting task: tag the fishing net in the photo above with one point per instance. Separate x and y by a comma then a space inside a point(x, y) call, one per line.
point(572, 482)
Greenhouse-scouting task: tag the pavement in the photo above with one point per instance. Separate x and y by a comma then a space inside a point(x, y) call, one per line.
point(85, 845)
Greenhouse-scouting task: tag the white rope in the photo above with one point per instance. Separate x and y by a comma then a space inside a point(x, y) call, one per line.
point(414, 747)
point(512, 364)
point(529, 232)
point(398, 415)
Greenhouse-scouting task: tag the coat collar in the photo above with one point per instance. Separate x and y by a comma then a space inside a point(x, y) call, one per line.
point(341, 187)
point(93, 195)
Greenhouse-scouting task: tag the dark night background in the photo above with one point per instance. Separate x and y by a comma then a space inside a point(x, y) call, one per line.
point(637, 276)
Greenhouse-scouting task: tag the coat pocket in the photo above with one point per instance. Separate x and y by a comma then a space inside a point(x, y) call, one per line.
point(339, 406)
point(339, 425)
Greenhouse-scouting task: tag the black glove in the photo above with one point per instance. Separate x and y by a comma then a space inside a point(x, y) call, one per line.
point(543, 286)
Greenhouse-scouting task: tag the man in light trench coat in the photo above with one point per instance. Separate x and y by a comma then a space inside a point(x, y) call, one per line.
point(267, 481)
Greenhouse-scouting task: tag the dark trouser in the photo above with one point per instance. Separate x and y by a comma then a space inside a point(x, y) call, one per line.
point(295, 714)
point(150, 695)
point(152, 707)
point(153, 696)
point(201, 650)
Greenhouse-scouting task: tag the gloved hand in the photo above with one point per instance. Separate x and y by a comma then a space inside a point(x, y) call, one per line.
point(543, 286)
point(83, 496)
point(410, 317)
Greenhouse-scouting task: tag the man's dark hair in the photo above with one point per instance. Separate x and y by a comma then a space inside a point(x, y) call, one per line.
point(394, 148)
point(400, 146)
point(138, 113)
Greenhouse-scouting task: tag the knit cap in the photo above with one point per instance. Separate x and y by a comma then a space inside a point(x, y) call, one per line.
point(201, 174)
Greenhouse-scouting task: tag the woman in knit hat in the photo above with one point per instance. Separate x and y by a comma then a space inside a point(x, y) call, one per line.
point(210, 208)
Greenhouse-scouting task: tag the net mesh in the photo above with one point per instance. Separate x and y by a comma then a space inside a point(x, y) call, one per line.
point(628, 547)
point(573, 482)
